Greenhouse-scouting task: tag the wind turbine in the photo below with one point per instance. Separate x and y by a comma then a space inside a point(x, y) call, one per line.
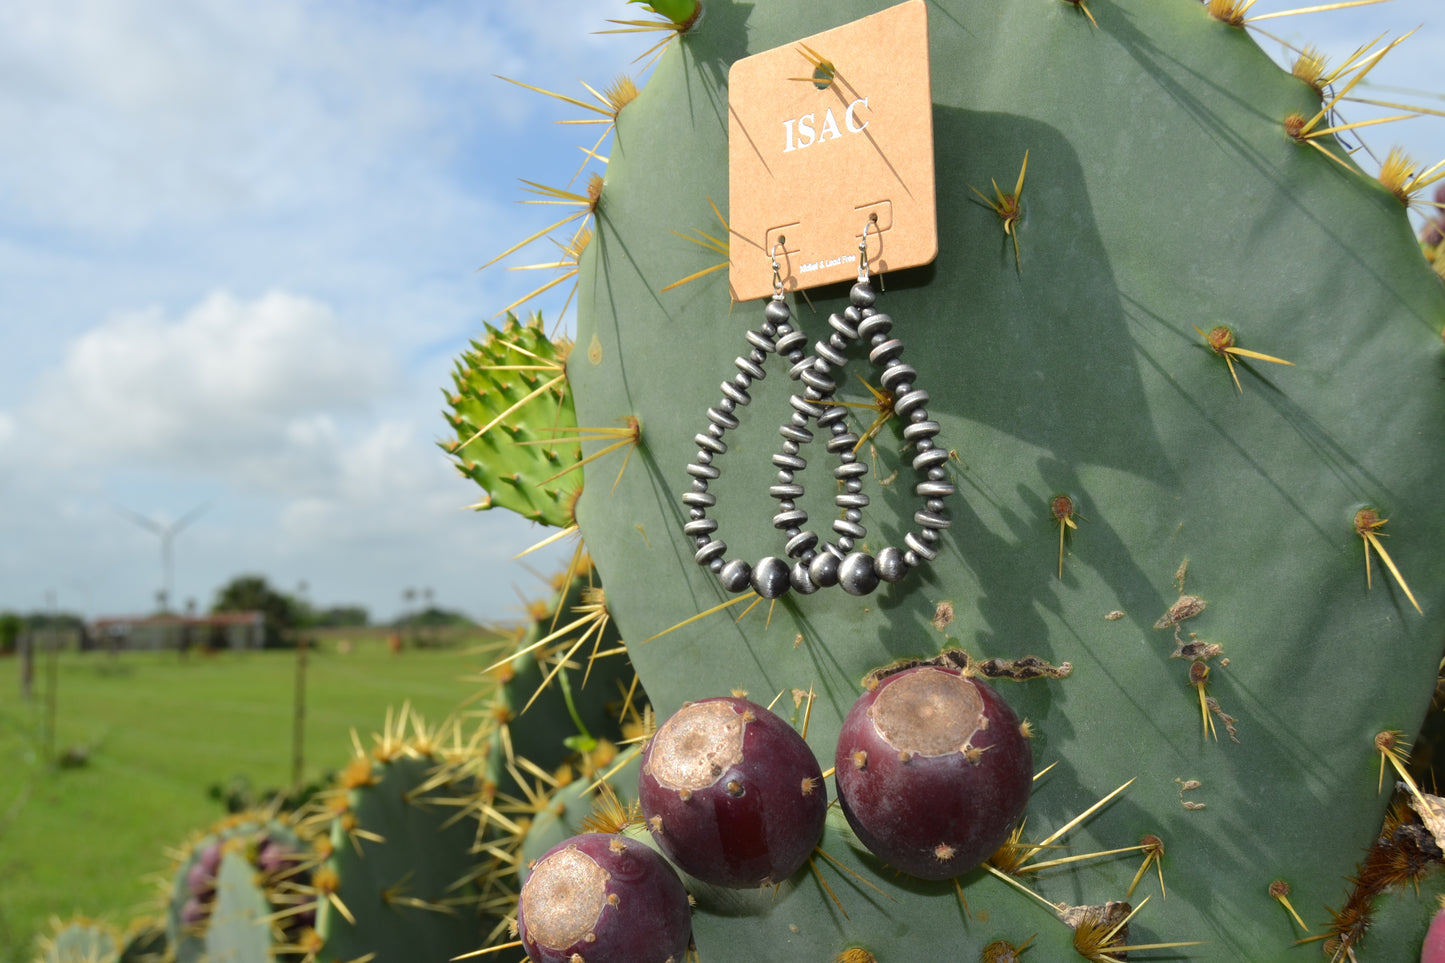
point(167, 535)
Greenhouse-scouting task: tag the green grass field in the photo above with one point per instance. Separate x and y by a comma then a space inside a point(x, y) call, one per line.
point(160, 731)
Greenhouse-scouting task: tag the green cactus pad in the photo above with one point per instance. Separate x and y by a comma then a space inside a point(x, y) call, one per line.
point(513, 417)
point(569, 808)
point(239, 930)
point(1163, 198)
point(79, 940)
point(402, 855)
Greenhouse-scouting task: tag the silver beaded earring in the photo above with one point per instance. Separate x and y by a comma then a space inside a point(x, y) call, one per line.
point(835, 562)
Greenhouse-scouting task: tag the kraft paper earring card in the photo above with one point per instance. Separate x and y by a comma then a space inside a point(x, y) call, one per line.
point(824, 134)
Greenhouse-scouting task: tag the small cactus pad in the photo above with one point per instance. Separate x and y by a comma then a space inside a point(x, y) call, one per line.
point(513, 417)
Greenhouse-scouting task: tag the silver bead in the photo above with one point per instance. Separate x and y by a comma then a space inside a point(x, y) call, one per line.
point(770, 577)
point(813, 379)
point(792, 462)
point(893, 375)
point(921, 429)
point(760, 341)
point(736, 575)
point(824, 569)
point(710, 443)
point(735, 394)
point(830, 354)
point(930, 520)
point(890, 564)
point(750, 368)
point(790, 519)
point(801, 544)
point(801, 580)
point(929, 458)
point(907, 402)
point(886, 351)
point(790, 342)
point(857, 575)
point(873, 325)
point(846, 324)
point(862, 295)
point(919, 547)
point(721, 418)
point(777, 311)
point(801, 406)
point(710, 550)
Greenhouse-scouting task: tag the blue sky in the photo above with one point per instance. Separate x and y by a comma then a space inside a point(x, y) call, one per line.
point(238, 246)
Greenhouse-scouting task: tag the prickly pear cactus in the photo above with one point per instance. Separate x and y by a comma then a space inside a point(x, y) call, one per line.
point(516, 431)
point(272, 866)
point(79, 940)
point(1144, 490)
point(564, 698)
point(397, 883)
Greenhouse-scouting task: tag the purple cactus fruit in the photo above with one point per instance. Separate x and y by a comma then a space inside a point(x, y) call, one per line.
point(201, 877)
point(274, 857)
point(732, 793)
point(1433, 230)
point(933, 770)
point(603, 899)
point(194, 912)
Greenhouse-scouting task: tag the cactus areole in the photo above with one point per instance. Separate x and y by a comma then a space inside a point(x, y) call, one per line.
point(732, 793)
point(933, 771)
point(601, 898)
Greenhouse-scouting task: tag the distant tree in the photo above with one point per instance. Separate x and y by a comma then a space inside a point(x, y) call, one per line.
point(433, 617)
point(341, 616)
point(251, 593)
point(60, 621)
point(11, 625)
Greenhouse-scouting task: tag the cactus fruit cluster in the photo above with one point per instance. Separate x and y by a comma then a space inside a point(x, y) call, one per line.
point(1190, 376)
point(247, 868)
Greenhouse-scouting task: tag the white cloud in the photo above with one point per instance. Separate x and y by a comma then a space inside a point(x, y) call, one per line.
point(265, 389)
point(212, 109)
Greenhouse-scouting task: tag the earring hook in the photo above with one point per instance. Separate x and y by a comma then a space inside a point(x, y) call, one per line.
point(863, 247)
point(777, 273)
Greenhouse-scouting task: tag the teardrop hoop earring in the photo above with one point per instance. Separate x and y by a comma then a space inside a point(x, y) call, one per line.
point(835, 562)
